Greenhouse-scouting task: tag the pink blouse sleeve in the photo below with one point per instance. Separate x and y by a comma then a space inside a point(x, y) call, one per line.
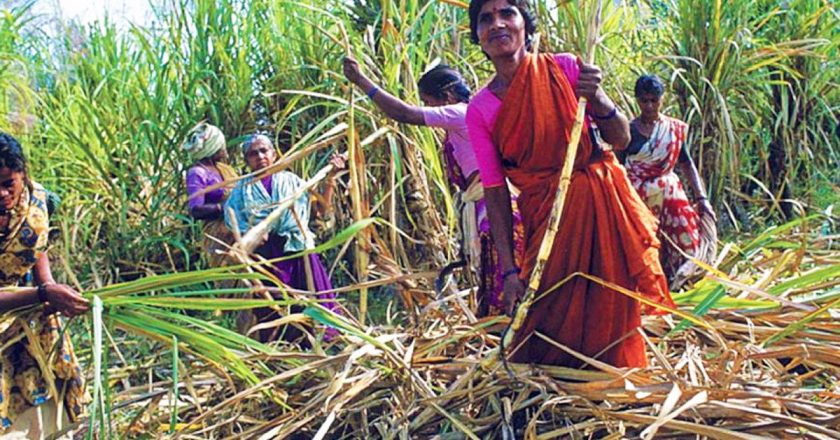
point(569, 64)
point(447, 117)
point(486, 154)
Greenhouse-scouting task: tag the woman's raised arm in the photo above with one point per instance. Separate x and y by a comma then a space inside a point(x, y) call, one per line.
point(394, 107)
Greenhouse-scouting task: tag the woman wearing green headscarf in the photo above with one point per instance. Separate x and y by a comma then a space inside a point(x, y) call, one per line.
point(205, 145)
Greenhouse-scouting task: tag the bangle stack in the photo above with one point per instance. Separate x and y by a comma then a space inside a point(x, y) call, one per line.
point(612, 113)
point(509, 272)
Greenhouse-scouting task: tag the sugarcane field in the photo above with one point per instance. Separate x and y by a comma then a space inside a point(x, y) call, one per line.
point(419, 219)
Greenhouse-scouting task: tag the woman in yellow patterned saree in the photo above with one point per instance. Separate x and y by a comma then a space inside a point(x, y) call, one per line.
point(37, 365)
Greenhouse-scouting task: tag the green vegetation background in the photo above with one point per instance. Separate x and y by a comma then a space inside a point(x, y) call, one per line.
point(101, 109)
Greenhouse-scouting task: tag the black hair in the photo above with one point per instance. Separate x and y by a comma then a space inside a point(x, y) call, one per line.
point(442, 79)
point(11, 157)
point(524, 10)
point(649, 84)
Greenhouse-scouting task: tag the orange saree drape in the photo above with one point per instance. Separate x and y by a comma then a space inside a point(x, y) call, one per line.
point(606, 229)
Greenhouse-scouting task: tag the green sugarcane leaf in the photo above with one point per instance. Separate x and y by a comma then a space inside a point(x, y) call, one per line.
point(226, 337)
point(801, 324)
point(198, 303)
point(812, 278)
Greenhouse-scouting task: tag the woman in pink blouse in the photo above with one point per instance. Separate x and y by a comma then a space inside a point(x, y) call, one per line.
point(520, 127)
point(446, 95)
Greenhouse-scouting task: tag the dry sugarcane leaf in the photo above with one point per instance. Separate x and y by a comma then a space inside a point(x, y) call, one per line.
point(689, 427)
point(650, 432)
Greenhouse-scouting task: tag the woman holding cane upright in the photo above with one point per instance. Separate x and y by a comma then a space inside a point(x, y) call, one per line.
point(519, 127)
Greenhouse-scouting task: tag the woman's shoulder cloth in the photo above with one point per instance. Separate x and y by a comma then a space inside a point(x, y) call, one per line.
point(38, 196)
point(676, 122)
point(287, 175)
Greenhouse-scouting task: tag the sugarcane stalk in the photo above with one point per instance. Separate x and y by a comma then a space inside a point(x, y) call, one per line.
point(356, 168)
point(547, 243)
point(307, 264)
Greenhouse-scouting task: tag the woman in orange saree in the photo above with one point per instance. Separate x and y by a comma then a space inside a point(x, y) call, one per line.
point(519, 126)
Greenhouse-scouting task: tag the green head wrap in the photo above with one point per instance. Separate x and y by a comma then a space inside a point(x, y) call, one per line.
point(203, 141)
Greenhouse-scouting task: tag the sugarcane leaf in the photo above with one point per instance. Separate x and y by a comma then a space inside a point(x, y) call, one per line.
point(800, 324)
point(813, 277)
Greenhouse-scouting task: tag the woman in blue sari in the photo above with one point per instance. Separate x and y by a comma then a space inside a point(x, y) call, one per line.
point(251, 201)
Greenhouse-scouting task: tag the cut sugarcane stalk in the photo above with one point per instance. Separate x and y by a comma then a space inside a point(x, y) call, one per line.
point(553, 224)
point(559, 199)
point(255, 236)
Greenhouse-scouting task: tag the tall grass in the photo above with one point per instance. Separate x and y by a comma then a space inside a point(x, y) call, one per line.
point(16, 83)
point(108, 108)
point(735, 77)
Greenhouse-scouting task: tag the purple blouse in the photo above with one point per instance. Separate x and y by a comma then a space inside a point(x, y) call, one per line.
point(200, 177)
